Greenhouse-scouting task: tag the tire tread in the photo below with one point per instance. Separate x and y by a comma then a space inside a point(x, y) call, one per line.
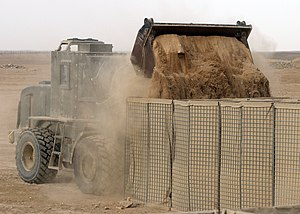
point(45, 140)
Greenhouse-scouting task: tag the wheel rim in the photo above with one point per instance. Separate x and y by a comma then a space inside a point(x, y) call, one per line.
point(28, 156)
point(88, 166)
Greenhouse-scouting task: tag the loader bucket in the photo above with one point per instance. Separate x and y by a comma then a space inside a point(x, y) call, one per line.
point(142, 56)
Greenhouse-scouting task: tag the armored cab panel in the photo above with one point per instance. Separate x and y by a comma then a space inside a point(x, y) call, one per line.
point(34, 101)
point(74, 93)
point(81, 78)
point(64, 83)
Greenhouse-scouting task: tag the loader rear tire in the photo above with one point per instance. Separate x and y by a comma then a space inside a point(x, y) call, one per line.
point(33, 152)
point(94, 167)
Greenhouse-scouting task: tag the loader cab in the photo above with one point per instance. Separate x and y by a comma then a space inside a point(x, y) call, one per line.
point(77, 68)
point(84, 46)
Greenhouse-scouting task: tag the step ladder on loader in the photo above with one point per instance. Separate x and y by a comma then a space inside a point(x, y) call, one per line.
point(56, 154)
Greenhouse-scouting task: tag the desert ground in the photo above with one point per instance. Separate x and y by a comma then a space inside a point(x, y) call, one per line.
point(18, 70)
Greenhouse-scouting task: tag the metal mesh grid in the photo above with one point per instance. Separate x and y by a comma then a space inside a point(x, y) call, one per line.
point(180, 172)
point(159, 150)
point(204, 157)
point(257, 157)
point(226, 156)
point(136, 147)
point(195, 169)
point(148, 143)
point(230, 190)
point(287, 155)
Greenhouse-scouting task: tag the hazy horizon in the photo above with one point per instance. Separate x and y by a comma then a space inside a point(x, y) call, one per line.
point(41, 25)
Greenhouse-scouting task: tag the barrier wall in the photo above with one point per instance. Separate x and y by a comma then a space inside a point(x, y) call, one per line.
point(213, 155)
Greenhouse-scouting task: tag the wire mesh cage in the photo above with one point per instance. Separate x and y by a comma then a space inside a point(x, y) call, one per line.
point(257, 157)
point(230, 182)
point(195, 168)
point(287, 155)
point(148, 149)
point(213, 155)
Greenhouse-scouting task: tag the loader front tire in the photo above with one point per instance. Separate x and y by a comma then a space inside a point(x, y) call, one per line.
point(94, 169)
point(33, 152)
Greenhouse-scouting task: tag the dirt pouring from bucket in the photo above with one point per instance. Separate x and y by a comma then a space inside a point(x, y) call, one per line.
point(199, 67)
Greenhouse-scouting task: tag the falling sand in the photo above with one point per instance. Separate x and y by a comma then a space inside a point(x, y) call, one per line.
point(199, 67)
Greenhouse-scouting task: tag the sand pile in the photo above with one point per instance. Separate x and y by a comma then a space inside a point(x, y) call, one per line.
point(196, 67)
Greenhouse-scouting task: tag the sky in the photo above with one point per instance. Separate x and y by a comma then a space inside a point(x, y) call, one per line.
point(42, 24)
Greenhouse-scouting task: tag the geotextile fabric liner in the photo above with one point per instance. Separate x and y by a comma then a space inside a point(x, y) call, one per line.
point(213, 155)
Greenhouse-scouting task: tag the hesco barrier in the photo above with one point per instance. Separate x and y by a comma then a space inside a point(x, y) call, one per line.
point(213, 155)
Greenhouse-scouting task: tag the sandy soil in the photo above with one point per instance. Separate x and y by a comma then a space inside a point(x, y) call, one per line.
point(201, 67)
point(63, 196)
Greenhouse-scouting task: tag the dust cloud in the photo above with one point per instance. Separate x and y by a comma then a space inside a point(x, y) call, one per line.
point(263, 49)
point(123, 83)
point(260, 42)
point(116, 80)
point(262, 62)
